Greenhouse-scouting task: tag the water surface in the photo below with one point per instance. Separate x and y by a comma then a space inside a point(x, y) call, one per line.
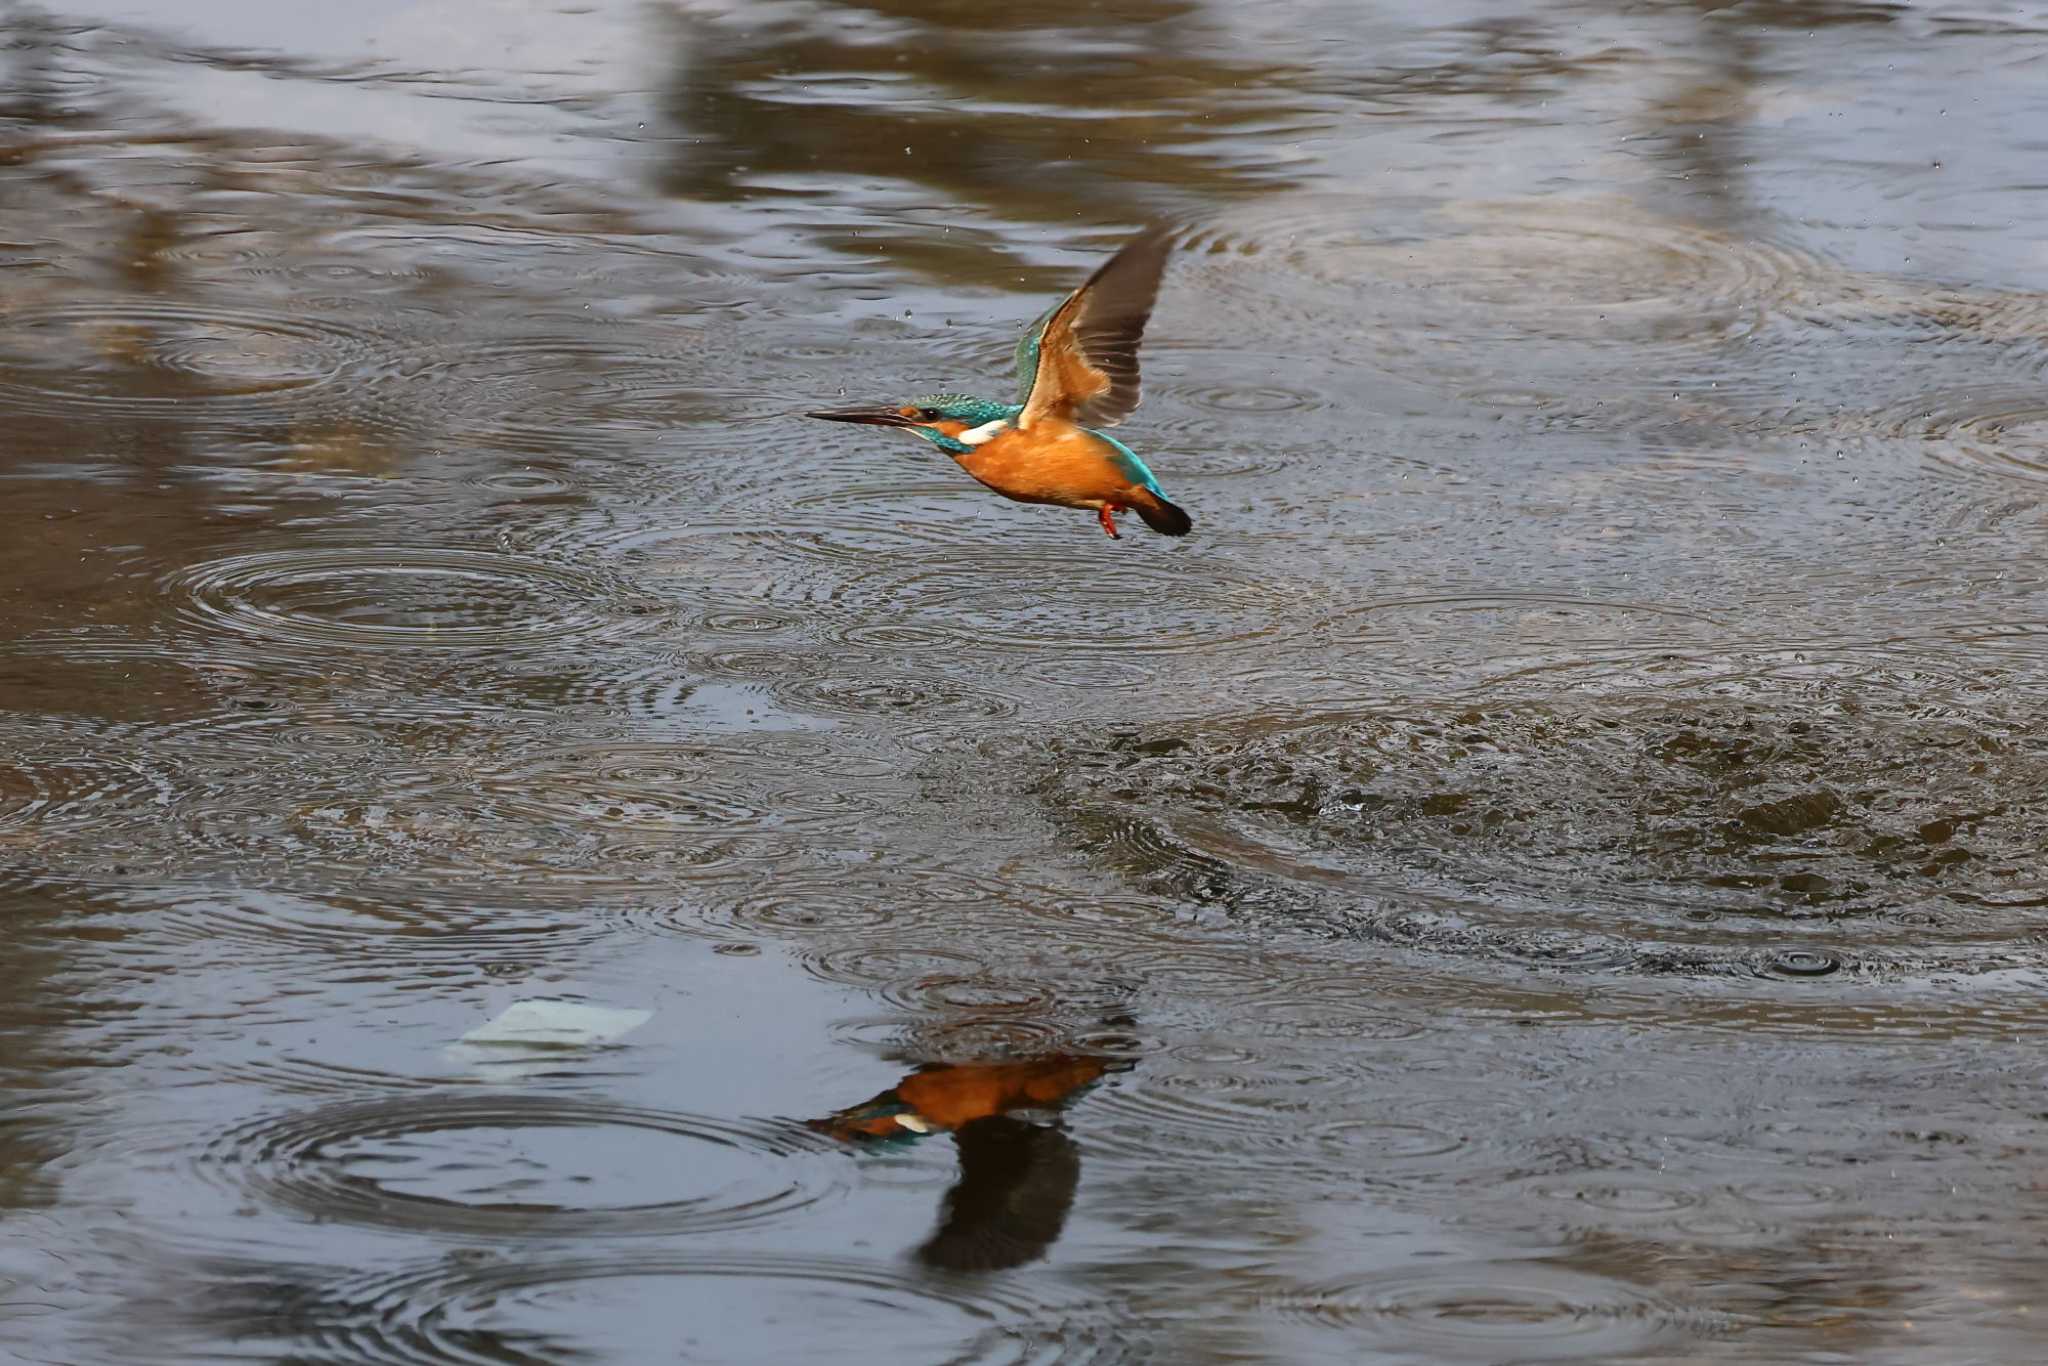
point(1550, 870)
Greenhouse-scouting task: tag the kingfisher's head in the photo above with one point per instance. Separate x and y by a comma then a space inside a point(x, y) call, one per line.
point(955, 423)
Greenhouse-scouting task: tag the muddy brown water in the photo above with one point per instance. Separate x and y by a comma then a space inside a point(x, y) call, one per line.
point(1552, 869)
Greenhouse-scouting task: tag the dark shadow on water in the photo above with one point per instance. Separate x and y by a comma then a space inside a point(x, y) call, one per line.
point(1017, 1183)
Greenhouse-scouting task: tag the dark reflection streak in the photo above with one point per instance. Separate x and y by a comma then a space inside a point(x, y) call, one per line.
point(1697, 124)
point(103, 342)
point(53, 575)
point(1800, 17)
point(1156, 105)
point(29, 1001)
point(32, 1003)
point(30, 90)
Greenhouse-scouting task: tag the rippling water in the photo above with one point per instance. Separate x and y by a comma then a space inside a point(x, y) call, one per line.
point(1551, 870)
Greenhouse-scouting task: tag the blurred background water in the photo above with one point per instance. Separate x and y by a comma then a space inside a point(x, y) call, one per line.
point(1551, 870)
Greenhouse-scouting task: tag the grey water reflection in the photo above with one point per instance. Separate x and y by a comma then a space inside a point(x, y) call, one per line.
point(1551, 870)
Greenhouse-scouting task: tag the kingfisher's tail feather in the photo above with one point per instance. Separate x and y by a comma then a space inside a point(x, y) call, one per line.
point(1168, 519)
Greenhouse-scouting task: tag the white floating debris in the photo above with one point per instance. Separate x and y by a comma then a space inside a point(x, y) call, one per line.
point(556, 1024)
point(527, 1036)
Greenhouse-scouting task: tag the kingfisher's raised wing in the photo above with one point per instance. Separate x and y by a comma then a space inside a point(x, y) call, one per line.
point(1080, 361)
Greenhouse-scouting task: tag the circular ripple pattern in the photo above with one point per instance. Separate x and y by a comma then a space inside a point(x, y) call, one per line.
point(1606, 260)
point(1254, 398)
point(454, 854)
point(970, 993)
point(1804, 963)
point(1377, 1143)
point(606, 388)
point(1157, 858)
point(1088, 672)
point(1696, 832)
point(884, 965)
point(958, 1039)
point(524, 1166)
point(861, 521)
point(1015, 603)
point(1327, 1007)
point(919, 702)
point(1589, 269)
point(338, 936)
point(400, 598)
point(142, 358)
point(1524, 1311)
point(1992, 430)
point(734, 1307)
point(1622, 1197)
point(800, 907)
point(1522, 618)
point(1268, 1121)
point(42, 793)
point(681, 789)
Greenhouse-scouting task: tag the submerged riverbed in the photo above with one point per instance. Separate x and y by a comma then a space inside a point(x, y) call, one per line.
point(1552, 869)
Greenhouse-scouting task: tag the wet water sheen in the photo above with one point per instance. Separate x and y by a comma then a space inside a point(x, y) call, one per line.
point(1551, 870)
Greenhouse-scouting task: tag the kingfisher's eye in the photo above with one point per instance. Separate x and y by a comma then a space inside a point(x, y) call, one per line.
point(928, 414)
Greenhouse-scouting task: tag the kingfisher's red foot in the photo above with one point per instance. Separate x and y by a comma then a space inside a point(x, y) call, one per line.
point(1109, 521)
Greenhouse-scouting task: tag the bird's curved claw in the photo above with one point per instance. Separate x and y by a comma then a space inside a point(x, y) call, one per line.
point(1109, 520)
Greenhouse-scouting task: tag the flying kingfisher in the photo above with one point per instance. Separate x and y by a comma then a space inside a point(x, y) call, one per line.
point(1077, 368)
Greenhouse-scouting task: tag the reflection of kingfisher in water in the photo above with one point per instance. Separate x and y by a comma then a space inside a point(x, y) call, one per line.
point(1017, 1179)
point(1078, 369)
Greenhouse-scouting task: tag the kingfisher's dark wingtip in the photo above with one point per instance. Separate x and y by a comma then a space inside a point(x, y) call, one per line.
point(1168, 519)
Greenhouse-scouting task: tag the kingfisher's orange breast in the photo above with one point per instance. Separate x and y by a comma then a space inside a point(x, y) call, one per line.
point(1051, 462)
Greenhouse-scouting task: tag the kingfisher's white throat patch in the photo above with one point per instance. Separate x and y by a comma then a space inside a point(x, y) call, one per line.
point(987, 431)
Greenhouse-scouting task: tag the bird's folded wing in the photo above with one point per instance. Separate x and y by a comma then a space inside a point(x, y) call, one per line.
point(1080, 361)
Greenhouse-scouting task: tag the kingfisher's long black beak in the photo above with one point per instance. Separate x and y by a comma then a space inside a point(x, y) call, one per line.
point(875, 416)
